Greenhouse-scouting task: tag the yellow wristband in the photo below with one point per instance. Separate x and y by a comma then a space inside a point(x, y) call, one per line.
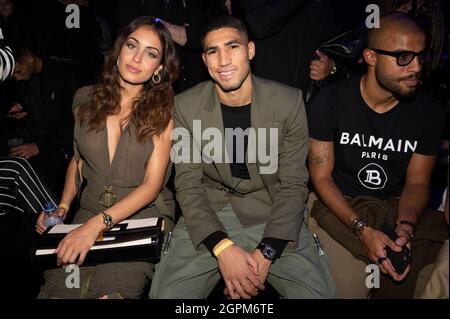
point(64, 206)
point(225, 244)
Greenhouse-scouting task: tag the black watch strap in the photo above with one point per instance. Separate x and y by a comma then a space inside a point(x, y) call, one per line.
point(268, 252)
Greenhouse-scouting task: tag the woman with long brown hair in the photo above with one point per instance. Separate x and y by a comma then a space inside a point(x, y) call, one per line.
point(122, 147)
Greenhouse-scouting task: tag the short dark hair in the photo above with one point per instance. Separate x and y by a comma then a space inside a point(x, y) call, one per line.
point(20, 50)
point(23, 44)
point(225, 21)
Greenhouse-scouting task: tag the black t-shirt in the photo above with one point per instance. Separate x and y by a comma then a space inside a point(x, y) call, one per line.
point(237, 117)
point(372, 151)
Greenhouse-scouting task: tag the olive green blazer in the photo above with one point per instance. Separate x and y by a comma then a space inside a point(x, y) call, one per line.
point(274, 105)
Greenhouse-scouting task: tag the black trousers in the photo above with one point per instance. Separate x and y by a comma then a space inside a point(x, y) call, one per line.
point(22, 195)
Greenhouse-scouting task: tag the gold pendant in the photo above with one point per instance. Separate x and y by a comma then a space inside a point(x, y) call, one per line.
point(107, 198)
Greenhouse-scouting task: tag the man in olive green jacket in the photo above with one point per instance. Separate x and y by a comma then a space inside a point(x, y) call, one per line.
point(240, 150)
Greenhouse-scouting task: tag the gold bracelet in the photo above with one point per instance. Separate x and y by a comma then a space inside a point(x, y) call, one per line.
point(64, 206)
point(225, 244)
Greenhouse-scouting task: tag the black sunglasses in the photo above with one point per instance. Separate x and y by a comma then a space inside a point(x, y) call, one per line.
point(405, 57)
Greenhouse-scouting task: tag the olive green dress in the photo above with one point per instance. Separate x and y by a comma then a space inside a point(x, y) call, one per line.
point(124, 174)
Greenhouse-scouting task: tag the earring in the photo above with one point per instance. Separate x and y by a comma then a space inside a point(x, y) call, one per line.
point(156, 78)
point(117, 62)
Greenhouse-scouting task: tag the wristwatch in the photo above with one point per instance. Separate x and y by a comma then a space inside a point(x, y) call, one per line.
point(107, 220)
point(268, 252)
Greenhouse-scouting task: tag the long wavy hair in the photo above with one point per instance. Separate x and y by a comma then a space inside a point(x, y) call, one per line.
point(151, 110)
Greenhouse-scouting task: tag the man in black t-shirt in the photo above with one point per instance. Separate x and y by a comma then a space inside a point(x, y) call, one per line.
point(42, 112)
point(374, 140)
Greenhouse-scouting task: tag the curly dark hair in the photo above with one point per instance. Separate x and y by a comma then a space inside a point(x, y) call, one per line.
point(151, 111)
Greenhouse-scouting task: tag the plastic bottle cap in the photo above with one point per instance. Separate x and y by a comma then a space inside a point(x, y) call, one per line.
point(49, 207)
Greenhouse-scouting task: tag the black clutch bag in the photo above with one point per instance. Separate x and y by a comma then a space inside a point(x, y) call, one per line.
point(130, 240)
point(346, 46)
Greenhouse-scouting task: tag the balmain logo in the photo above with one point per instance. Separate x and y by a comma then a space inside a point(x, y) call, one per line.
point(380, 143)
point(372, 176)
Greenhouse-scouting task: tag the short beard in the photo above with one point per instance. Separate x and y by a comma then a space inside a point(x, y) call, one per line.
point(395, 88)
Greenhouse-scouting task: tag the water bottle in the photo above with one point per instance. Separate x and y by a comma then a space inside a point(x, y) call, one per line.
point(50, 215)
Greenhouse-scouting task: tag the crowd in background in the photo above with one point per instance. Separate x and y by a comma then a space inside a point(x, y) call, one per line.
point(53, 61)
